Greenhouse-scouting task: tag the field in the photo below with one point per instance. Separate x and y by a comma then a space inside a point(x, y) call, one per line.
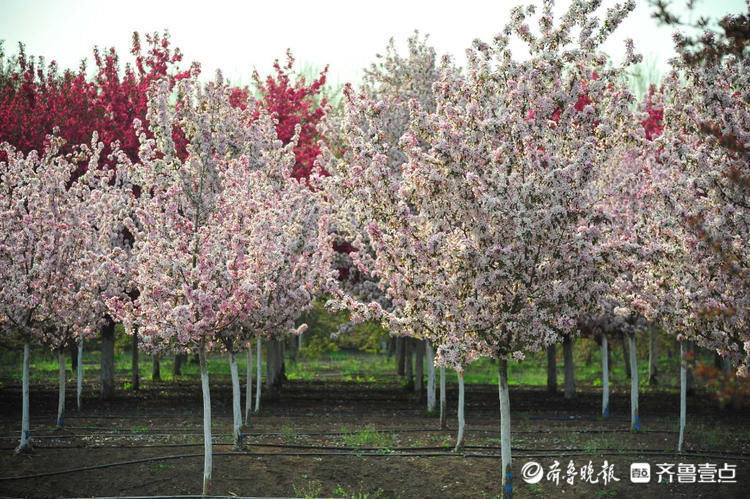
point(345, 427)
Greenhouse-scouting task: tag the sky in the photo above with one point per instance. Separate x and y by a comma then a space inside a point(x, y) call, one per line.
point(241, 35)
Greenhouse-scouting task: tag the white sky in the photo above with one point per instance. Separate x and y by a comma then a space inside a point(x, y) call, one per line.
point(238, 36)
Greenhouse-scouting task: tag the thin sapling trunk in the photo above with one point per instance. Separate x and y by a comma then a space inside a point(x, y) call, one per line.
point(461, 420)
point(634, 420)
point(505, 428)
point(258, 373)
point(79, 368)
point(61, 389)
point(207, 443)
point(431, 402)
point(25, 443)
point(249, 385)
point(236, 402)
point(683, 393)
point(443, 412)
point(605, 376)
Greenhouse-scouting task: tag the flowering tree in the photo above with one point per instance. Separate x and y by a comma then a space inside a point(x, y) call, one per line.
point(703, 152)
point(41, 242)
point(382, 108)
point(490, 240)
point(205, 223)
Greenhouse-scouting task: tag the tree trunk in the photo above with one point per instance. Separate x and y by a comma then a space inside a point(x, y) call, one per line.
point(443, 412)
point(461, 420)
point(73, 352)
point(25, 443)
point(408, 367)
point(236, 402)
point(552, 368)
point(570, 373)
point(690, 379)
point(683, 393)
point(134, 367)
point(79, 370)
point(293, 348)
point(605, 376)
point(258, 372)
point(634, 421)
point(108, 361)
point(155, 368)
point(505, 428)
point(61, 389)
point(179, 360)
point(431, 402)
point(274, 368)
point(207, 443)
point(652, 357)
point(419, 367)
point(249, 384)
point(400, 356)
point(625, 356)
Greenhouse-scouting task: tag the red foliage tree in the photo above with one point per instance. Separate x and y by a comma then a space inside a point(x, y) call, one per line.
point(292, 101)
point(35, 99)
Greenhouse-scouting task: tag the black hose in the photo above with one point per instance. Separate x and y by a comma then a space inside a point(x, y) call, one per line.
point(378, 454)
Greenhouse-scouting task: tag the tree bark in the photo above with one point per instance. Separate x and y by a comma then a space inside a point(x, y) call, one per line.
point(443, 412)
point(259, 372)
point(634, 420)
point(207, 443)
point(431, 402)
point(652, 357)
point(179, 360)
point(689, 378)
point(134, 367)
point(236, 402)
point(552, 368)
point(400, 356)
point(274, 367)
point(155, 368)
point(79, 370)
point(419, 367)
point(625, 355)
point(108, 361)
point(683, 393)
point(605, 376)
point(25, 444)
point(249, 384)
point(461, 420)
point(73, 352)
point(570, 373)
point(505, 442)
point(61, 389)
point(408, 368)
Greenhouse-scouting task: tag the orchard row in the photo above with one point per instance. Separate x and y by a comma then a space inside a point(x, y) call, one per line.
point(491, 210)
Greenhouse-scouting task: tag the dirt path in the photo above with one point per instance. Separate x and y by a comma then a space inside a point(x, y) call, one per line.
point(345, 439)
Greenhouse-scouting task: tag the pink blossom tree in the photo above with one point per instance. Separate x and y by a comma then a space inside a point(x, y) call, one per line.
point(490, 240)
point(389, 85)
point(41, 244)
point(204, 222)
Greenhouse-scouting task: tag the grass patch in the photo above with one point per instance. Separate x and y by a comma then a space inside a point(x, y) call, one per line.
point(367, 437)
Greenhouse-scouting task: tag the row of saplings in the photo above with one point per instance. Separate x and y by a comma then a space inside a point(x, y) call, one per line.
point(409, 354)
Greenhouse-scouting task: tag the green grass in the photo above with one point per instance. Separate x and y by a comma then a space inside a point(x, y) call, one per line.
point(367, 437)
point(375, 368)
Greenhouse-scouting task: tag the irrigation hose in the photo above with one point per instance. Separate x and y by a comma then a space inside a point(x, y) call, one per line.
point(367, 454)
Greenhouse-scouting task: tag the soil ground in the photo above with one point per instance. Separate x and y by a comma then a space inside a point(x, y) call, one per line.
point(339, 439)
